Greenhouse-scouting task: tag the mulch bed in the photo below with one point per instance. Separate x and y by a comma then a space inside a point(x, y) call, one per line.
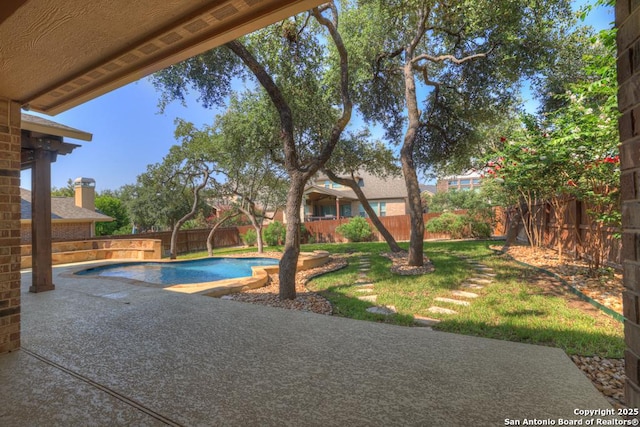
point(305, 300)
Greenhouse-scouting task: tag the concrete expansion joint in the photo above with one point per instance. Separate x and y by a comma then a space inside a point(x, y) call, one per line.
point(105, 389)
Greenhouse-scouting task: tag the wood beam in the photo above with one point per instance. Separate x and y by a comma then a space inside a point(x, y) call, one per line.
point(42, 274)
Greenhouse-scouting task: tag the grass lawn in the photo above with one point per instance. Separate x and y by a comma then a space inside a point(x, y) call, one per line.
point(515, 307)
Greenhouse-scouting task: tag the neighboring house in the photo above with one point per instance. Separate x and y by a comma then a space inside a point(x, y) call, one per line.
point(325, 199)
point(429, 190)
point(470, 180)
point(71, 218)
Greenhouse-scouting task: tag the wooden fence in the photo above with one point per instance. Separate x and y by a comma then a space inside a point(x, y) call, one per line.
point(189, 240)
point(321, 231)
point(398, 225)
point(573, 231)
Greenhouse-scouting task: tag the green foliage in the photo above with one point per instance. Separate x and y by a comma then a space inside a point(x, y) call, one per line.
point(274, 233)
point(448, 223)
point(569, 152)
point(459, 226)
point(356, 230)
point(250, 237)
point(115, 208)
point(66, 191)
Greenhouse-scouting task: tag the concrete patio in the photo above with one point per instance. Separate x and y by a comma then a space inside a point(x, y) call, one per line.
point(104, 353)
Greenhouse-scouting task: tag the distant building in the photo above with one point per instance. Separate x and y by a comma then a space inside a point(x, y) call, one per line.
point(325, 199)
point(72, 218)
point(471, 180)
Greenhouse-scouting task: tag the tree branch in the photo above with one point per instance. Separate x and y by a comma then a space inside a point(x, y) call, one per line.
point(452, 58)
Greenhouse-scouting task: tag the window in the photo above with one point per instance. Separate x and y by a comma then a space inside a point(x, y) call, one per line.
point(476, 181)
point(380, 208)
point(360, 182)
point(465, 182)
point(335, 185)
point(453, 183)
point(327, 184)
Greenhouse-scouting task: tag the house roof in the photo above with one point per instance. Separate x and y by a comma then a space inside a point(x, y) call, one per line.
point(391, 187)
point(48, 127)
point(62, 208)
point(57, 54)
point(428, 188)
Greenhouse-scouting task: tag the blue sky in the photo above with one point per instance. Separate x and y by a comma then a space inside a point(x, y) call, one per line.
point(129, 133)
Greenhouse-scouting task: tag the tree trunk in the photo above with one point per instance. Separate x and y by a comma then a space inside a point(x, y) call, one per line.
point(352, 184)
point(289, 260)
point(213, 231)
point(194, 208)
point(416, 251)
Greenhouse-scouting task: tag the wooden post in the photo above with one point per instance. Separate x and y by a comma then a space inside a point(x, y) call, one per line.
point(337, 208)
point(41, 221)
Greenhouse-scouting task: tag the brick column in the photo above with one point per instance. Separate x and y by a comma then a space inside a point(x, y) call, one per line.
point(9, 226)
point(628, 23)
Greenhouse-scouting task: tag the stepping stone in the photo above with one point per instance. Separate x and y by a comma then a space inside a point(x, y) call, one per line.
point(480, 280)
point(487, 274)
point(364, 285)
point(386, 310)
point(364, 290)
point(485, 269)
point(463, 294)
point(226, 297)
point(471, 286)
point(368, 298)
point(441, 310)
point(425, 321)
point(453, 301)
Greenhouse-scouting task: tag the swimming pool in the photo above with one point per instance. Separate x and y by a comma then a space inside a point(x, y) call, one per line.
point(181, 272)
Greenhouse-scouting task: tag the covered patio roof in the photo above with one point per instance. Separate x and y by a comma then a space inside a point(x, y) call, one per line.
point(40, 133)
point(316, 192)
point(59, 54)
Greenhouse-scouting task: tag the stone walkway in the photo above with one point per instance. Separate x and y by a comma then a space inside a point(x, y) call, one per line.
point(483, 276)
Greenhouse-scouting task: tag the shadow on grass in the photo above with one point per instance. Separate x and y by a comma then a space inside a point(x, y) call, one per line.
point(354, 308)
point(570, 340)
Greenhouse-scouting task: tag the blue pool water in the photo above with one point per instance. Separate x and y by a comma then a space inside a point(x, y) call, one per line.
point(194, 271)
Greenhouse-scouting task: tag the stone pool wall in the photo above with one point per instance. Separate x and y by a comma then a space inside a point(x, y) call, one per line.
point(91, 250)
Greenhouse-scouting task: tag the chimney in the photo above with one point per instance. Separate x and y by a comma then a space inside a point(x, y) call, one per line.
point(85, 193)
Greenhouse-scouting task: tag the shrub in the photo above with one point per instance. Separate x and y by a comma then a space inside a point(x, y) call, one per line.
point(274, 233)
point(250, 237)
point(459, 226)
point(356, 230)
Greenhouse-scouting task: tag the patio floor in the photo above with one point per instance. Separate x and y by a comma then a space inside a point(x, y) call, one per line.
point(101, 352)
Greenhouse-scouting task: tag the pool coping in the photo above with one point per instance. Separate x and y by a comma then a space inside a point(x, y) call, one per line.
point(218, 288)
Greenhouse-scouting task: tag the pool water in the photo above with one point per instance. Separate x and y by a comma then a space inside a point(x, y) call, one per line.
point(173, 273)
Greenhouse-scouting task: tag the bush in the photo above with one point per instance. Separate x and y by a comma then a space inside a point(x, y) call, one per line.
point(275, 233)
point(459, 226)
point(250, 237)
point(356, 230)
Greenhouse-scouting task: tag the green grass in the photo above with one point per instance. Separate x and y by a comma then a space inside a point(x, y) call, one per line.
point(509, 309)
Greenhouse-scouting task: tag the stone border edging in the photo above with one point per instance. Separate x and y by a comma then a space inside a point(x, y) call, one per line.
point(619, 317)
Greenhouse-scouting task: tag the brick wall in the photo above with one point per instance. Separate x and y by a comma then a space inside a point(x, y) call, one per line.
point(628, 23)
point(9, 226)
point(59, 231)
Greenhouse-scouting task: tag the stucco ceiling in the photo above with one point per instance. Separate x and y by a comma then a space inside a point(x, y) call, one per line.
point(56, 54)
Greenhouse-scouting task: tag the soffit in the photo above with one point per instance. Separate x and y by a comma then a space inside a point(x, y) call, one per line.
point(56, 54)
